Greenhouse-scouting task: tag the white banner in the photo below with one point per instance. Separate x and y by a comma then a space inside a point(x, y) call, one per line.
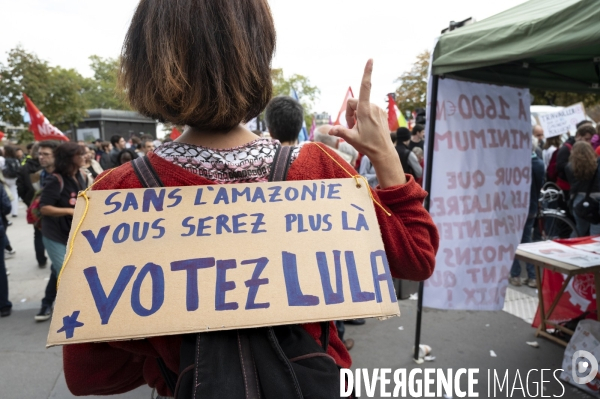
point(479, 192)
point(563, 121)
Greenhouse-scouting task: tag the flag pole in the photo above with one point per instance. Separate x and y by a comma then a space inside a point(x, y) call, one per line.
point(428, 173)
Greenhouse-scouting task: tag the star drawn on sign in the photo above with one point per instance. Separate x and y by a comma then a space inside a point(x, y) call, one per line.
point(70, 323)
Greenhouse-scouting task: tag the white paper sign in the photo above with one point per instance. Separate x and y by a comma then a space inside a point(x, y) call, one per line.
point(479, 193)
point(562, 253)
point(563, 121)
point(593, 247)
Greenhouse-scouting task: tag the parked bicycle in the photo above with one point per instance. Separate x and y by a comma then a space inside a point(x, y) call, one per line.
point(553, 220)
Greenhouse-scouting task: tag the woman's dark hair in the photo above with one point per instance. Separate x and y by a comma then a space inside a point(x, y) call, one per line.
point(583, 161)
point(201, 63)
point(10, 152)
point(63, 158)
point(554, 141)
point(126, 151)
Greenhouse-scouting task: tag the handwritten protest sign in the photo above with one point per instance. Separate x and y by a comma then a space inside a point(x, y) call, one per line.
point(479, 192)
point(150, 262)
point(563, 121)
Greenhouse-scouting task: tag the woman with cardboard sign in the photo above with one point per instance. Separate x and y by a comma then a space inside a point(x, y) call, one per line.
point(205, 64)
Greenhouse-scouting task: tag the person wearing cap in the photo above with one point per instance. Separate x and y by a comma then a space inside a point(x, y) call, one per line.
point(409, 160)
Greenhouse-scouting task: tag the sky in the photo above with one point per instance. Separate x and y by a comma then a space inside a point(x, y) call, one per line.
point(327, 41)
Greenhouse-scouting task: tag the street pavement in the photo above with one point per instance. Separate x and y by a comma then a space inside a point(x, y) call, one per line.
point(459, 339)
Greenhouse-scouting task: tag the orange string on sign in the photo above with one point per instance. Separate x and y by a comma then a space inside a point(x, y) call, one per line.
point(87, 205)
point(355, 177)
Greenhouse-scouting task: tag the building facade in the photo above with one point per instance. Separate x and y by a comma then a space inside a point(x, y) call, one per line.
point(104, 123)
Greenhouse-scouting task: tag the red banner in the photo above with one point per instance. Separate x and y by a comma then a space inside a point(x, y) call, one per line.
point(39, 125)
point(341, 118)
point(175, 134)
point(579, 296)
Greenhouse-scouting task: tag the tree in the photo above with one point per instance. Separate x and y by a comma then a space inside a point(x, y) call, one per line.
point(307, 93)
point(412, 91)
point(101, 91)
point(590, 100)
point(56, 91)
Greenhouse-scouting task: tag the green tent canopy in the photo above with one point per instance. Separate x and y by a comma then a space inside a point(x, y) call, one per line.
point(544, 44)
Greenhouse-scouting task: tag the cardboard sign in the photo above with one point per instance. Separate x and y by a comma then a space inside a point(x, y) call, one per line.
point(563, 121)
point(149, 262)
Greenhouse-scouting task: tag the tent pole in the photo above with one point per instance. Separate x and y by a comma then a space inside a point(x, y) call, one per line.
point(428, 175)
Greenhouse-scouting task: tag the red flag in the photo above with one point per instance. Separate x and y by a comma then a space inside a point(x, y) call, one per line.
point(39, 125)
point(174, 133)
point(578, 297)
point(2, 135)
point(341, 119)
point(392, 116)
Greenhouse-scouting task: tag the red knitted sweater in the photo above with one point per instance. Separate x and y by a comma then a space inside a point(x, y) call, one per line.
point(409, 235)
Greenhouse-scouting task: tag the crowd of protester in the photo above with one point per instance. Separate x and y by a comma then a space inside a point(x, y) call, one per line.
point(47, 176)
point(571, 163)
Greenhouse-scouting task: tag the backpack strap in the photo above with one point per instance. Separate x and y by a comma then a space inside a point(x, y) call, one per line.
point(146, 173)
point(281, 163)
point(169, 376)
point(60, 180)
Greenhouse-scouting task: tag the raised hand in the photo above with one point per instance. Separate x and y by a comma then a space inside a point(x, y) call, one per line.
point(368, 132)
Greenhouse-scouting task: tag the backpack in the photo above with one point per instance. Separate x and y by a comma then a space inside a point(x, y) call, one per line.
point(34, 214)
point(589, 208)
point(258, 363)
point(404, 154)
point(11, 168)
point(552, 171)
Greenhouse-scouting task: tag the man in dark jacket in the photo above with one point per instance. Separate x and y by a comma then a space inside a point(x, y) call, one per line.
point(410, 162)
point(46, 158)
point(537, 182)
point(118, 144)
point(28, 183)
point(585, 133)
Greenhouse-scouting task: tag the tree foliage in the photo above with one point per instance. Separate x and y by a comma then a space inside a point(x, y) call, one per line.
point(542, 97)
point(62, 95)
point(412, 91)
point(306, 92)
point(56, 91)
point(102, 91)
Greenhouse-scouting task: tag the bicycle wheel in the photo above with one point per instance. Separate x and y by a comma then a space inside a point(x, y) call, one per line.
point(553, 224)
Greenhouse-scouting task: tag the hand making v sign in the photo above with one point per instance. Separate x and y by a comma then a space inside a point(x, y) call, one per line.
point(368, 132)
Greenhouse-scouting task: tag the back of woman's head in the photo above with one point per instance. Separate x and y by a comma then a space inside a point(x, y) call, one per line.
point(201, 63)
point(126, 155)
point(63, 157)
point(555, 141)
point(583, 160)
